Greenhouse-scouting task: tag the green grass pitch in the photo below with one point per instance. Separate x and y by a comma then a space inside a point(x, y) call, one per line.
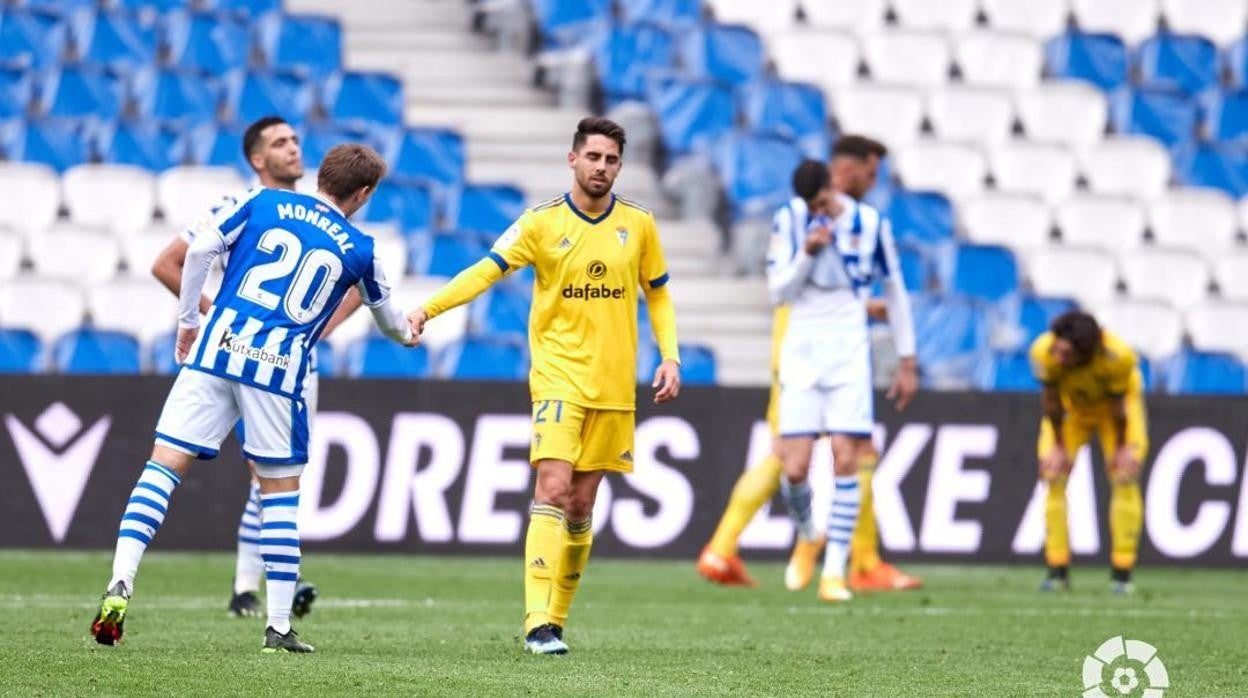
point(399, 625)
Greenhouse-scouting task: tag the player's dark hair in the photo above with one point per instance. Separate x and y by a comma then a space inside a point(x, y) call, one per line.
point(858, 147)
point(810, 178)
point(598, 126)
point(1081, 330)
point(251, 137)
point(349, 167)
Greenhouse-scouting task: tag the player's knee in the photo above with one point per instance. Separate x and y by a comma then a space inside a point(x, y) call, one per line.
point(553, 490)
point(173, 459)
point(579, 508)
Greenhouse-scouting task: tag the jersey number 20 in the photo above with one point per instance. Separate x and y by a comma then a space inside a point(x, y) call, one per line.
point(301, 302)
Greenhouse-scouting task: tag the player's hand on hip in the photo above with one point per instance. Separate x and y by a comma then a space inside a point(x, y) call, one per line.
point(818, 239)
point(1054, 464)
point(186, 337)
point(1126, 467)
point(905, 383)
point(667, 380)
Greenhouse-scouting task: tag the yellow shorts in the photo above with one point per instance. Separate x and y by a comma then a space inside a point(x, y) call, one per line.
point(1077, 430)
point(588, 438)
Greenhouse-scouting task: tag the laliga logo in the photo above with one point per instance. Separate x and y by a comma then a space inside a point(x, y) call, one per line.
point(1141, 666)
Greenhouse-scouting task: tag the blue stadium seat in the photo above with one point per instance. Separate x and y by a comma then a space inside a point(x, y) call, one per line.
point(245, 8)
point(921, 217)
point(61, 7)
point(364, 99)
point(1037, 313)
point(1235, 59)
point(791, 110)
point(326, 359)
point(692, 114)
point(1006, 371)
point(213, 144)
point(427, 153)
point(17, 92)
point(480, 358)
point(756, 171)
point(408, 204)
point(1170, 61)
point(678, 14)
point(1226, 116)
point(174, 96)
point(19, 352)
point(627, 56)
point(952, 336)
point(448, 254)
point(1167, 115)
point(380, 357)
point(96, 351)
point(915, 268)
point(141, 143)
point(1210, 165)
point(318, 138)
point(309, 44)
point(79, 92)
point(31, 39)
point(726, 53)
point(984, 272)
point(252, 95)
point(697, 362)
point(1146, 372)
point(209, 44)
point(1100, 59)
point(118, 39)
point(568, 22)
point(58, 143)
point(1205, 373)
point(157, 5)
point(160, 357)
point(504, 311)
point(485, 208)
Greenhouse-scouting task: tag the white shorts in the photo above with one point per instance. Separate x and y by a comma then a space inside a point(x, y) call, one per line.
point(202, 408)
point(816, 410)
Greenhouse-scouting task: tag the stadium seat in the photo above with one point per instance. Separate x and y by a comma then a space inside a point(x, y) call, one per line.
point(1224, 116)
point(120, 197)
point(1133, 20)
point(957, 171)
point(319, 137)
point(1235, 59)
point(691, 113)
point(997, 59)
point(893, 115)
point(1230, 270)
point(1100, 59)
point(625, 57)
point(487, 209)
point(824, 57)
point(444, 330)
point(381, 357)
point(136, 305)
point(77, 92)
point(1175, 62)
point(449, 254)
point(1219, 327)
point(921, 218)
point(1112, 223)
point(1006, 371)
point(1221, 21)
point(392, 253)
point(984, 272)
point(20, 351)
point(90, 351)
point(861, 18)
point(142, 144)
point(952, 336)
point(252, 95)
point(430, 153)
point(75, 255)
point(1020, 222)
point(1086, 275)
point(1176, 276)
point(975, 115)
point(409, 205)
point(118, 39)
point(677, 14)
point(31, 39)
point(139, 251)
point(1153, 328)
point(362, 99)
point(174, 96)
point(915, 269)
point(309, 44)
point(218, 146)
point(32, 196)
point(1164, 114)
point(479, 358)
point(949, 16)
point(1036, 314)
point(1129, 165)
point(59, 143)
point(504, 311)
point(210, 44)
point(1067, 112)
point(46, 307)
point(729, 54)
point(1044, 170)
point(791, 110)
point(17, 92)
point(188, 193)
point(1205, 373)
point(911, 58)
point(10, 255)
point(1215, 166)
point(568, 22)
point(1201, 220)
point(1040, 19)
point(756, 171)
point(159, 358)
point(244, 9)
point(764, 16)
point(697, 365)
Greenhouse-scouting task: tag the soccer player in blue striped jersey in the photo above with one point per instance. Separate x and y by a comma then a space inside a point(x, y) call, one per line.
point(292, 258)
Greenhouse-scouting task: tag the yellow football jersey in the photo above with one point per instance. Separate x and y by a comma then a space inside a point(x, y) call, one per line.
point(1114, 371)
point(583, 322)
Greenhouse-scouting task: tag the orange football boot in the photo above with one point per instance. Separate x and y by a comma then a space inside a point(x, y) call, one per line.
point(883, 577)
point(727, 571)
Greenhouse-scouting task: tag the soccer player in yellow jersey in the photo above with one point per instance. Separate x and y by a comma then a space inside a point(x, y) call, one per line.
point(591, 250)
point(1092, 385)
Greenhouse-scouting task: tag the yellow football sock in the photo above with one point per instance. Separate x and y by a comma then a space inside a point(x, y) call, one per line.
point(864, 547)
point(1125, 516)
point(542, 545)
point(578, 537)
point(1056, 537)
point(754, 488)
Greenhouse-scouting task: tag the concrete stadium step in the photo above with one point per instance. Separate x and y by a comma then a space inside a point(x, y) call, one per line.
point(487, 123)
point(426, 14)
point(473, 95)
point(741, 360)
point(699, 294)
point(694, 237)
point(546, 178)
point(729, 323)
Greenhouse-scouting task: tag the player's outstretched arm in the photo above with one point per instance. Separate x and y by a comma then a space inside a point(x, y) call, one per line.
point(467, 285)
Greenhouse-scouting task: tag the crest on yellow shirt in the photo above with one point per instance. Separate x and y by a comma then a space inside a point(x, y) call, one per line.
point(622, 233)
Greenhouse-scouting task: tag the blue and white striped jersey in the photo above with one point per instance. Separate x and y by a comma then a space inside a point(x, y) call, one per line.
point(292, 258)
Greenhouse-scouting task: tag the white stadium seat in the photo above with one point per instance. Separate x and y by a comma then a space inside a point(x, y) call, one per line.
point(1202, 220)
point(1069, 112)
point(136, 305)
point(1136, 166)
point(10, 254)
point(1017, 221)
point(1222, 21)
point(139, 251)
point(998, 59)
point(763, 17)
point(862, 17)
point(187, 194)
point(1034, 168)
point(1112, 223)
point(1230, 270)
point(824, 57)
point(976, 115)
point(1243, 214)
point(46, 307)
point(1087, 275)
point(1219, 327)
point(1177, 276)
point(939, 15)
point(75, 255)
point(1042, 19)
point(32, 196)
point(892, 115)
point(1153, 328)
point(1133, 20)
point(121, 198)
point(392, 251)
point(447, 328)
point(899, 57)
point(954, 170)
